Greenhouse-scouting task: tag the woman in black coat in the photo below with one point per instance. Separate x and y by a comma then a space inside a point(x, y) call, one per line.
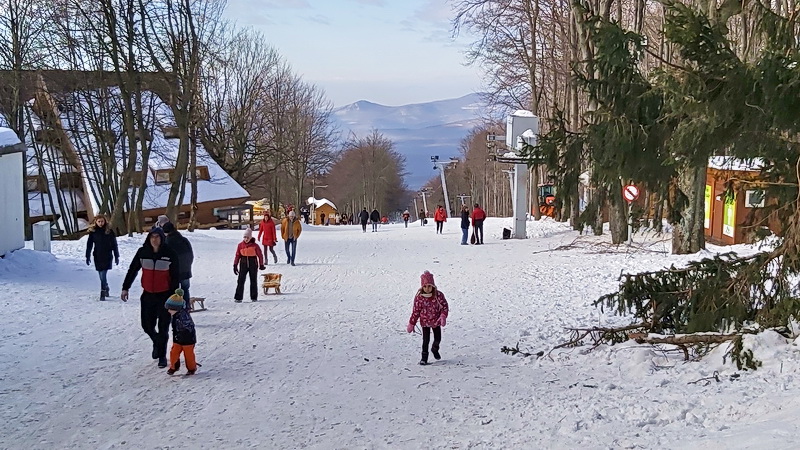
point(104, 241)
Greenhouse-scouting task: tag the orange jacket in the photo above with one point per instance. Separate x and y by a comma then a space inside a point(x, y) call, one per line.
point(296, 229)
point(440, 215)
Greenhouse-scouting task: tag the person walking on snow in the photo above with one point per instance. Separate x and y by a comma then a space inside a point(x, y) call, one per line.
point(184, 337)
point(160, 276)
point(363, 216)
point(478, 216)
point(183, 248)
point(375, 218)
point(268, 237)
point(104, 242)
point(430, 308)
point(464, 224)
point(422, 217)
point(290, 232)
point(440, 217)
point(406, 216)
point(248, 261)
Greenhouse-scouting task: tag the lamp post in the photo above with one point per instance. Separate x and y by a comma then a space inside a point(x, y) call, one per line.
point(423, 193)
point(463, 198)
point(441, 165)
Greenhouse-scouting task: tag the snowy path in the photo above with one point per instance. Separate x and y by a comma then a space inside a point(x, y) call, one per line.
point(328, 364)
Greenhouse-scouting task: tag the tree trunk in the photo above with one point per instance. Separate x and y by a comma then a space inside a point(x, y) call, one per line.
point(617, 214)
point(688, 233)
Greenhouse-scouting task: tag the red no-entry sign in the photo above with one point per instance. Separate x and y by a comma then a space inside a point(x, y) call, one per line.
point(630, 192)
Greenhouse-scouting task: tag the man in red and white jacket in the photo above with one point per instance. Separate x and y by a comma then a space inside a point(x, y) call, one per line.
point(160, 277)
point(478, 216)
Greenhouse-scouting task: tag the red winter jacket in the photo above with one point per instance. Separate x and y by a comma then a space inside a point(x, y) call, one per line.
point(478, 214)
point(440, 215)
point(266, 232)
point(429, 310)
point(160, 271)
point(247, 250)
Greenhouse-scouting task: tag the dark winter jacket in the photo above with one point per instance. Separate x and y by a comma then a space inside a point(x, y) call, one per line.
point(363, 216)
point(375, 216)
point(183, 248)
point(464, 219)
point(160, 271)
point(183, 328)
point(104, 242)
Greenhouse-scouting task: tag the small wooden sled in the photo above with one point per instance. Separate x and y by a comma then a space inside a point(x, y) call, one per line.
point(200, 300)
point(272, 280)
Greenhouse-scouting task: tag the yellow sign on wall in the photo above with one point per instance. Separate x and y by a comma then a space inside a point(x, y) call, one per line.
point(729, 216)
point(707, 219)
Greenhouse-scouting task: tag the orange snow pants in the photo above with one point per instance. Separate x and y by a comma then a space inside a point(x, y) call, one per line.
point(188, 354)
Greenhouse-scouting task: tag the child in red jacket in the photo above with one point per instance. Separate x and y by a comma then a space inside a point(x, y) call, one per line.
point(248, 261)
point(430, 307)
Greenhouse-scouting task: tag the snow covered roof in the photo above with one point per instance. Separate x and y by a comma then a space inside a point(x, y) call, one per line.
point(8, 137)
point(158, 117)
point(320, 202)
point(731, 163)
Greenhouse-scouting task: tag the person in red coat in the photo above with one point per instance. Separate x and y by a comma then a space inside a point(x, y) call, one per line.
point(430, 308)
point(478, 216)
point(440, 217)
point(248, 261)
point(268, 236)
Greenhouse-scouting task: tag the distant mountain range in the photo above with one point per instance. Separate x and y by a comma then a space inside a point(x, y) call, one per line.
point(419, 130)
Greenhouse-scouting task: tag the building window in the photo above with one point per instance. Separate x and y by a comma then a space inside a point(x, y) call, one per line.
point(162, 176)
point(34, 183)
point(202, 173)
point(70, 180)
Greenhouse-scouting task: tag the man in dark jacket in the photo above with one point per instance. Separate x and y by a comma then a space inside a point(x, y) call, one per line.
point(363, 216)
point(160, 276)
point(375, 218)
point(183, 248)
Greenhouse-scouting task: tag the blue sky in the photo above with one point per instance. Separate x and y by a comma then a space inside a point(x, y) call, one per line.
point(391, 52)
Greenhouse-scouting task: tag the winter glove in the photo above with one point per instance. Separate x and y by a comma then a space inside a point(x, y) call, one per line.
point(235, 270)
point(410, 328)
point(88, 261)
point(442, 321)
point(262, 267)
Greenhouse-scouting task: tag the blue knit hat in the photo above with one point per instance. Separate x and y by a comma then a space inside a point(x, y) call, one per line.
point(175, 301)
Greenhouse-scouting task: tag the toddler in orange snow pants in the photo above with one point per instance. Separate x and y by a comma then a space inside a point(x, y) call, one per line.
point(183, 334)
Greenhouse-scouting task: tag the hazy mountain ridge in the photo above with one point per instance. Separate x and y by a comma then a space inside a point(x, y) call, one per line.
point(419, 130)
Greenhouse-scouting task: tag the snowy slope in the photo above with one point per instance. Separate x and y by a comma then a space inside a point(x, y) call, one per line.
point(328, 364)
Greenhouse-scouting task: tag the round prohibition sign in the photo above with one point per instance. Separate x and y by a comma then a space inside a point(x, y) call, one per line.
point(630, 192)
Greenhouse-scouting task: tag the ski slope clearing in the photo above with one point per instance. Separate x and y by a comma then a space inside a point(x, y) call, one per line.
point(328, 364)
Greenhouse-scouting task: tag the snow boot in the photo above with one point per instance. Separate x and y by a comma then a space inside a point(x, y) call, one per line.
point(237, 301)
point(190, 372)
point(102, 295)
point(174, 369)
point(423, 362)
point(162, 362)
point(436, 354)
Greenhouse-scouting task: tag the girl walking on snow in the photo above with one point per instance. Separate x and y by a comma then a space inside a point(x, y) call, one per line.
point(248, 261)
point(430, 308)
point(104, 241)
point(268, 237)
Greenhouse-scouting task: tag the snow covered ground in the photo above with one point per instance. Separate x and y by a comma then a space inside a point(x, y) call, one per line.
point(328, 364)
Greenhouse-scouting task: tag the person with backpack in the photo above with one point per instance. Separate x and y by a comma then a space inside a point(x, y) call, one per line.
point(375, 218)
point(406, 216)
point(183, 248)
point(363, 216)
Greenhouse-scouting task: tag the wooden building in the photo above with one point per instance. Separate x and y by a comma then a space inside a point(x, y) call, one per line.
point(322, 207)
point(727, 219)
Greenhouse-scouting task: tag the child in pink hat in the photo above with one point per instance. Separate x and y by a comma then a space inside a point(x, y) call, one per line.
point(430, 307)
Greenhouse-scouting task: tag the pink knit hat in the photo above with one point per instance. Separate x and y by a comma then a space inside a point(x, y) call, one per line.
point(427, 278)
